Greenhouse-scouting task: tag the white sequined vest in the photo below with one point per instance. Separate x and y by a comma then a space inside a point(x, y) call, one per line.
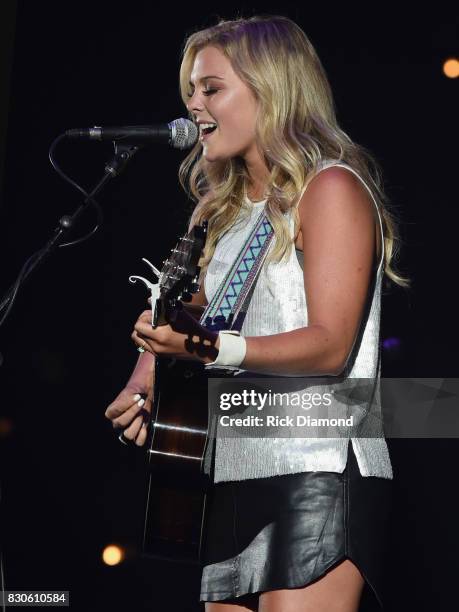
point(278, 305)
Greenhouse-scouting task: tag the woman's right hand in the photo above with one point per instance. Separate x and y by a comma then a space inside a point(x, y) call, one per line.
point(130, 413)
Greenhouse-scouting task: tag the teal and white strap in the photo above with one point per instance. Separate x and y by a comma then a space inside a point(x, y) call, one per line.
point(225, 310)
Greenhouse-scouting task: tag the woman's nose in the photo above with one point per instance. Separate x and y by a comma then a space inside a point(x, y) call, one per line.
point(194, 104)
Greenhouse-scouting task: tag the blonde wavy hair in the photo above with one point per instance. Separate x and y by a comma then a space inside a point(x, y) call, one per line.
point(296, 129)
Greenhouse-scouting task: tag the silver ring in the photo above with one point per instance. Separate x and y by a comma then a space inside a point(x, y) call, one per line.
point(122, 438)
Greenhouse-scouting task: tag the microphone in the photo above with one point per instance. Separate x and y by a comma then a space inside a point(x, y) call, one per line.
point(180, 133)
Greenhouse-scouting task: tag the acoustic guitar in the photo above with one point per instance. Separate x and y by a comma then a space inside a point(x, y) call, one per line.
point(178, 432)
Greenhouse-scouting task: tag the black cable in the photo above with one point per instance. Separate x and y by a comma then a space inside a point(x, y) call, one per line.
point(88, 198)
point(30, 263)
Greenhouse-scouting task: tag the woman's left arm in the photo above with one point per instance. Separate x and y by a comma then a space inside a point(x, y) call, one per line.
point(338, 230)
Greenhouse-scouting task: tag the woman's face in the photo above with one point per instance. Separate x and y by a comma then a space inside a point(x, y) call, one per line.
point(219, 96)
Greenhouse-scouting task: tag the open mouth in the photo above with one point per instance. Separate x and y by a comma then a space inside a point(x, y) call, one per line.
point(207, 128)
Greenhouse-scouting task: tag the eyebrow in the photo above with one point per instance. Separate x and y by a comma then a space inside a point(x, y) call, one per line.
point(205, 79)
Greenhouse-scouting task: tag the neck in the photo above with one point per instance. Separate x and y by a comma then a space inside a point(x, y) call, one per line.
point(258, 175)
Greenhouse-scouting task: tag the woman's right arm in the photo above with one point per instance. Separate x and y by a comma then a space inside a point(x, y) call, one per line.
point(131, 409)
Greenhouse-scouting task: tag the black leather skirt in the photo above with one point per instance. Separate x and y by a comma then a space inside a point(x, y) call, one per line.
point(287, 531)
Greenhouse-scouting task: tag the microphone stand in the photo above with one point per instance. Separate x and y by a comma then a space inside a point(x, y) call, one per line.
point(123, 154)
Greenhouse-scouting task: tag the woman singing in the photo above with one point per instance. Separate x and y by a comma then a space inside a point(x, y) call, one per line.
point(294, 524)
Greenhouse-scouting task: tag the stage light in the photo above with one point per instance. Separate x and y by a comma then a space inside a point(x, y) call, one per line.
point(451, 68)
point(113, 554)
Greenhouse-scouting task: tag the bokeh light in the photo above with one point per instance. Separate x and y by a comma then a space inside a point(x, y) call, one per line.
point(113, 554)
point(451, 68)
point(389, 344)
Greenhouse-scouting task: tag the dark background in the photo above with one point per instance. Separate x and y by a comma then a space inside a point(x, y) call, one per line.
point(68, 486)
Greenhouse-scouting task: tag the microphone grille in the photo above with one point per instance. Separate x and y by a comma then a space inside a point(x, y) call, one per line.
point(184, 133)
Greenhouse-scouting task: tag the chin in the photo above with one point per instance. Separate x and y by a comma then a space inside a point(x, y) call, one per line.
point(214, 157)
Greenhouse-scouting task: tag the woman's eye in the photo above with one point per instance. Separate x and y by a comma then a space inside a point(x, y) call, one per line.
point(206, 92)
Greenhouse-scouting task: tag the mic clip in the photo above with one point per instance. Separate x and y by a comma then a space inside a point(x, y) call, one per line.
point(123, 154)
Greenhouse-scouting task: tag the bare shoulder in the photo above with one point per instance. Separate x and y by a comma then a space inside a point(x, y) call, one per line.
point(334, 195)
point(336, 186)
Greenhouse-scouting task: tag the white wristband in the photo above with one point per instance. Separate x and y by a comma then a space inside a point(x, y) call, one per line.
point(232, 349)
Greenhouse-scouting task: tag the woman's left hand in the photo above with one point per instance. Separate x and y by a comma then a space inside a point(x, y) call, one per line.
point(184, 338)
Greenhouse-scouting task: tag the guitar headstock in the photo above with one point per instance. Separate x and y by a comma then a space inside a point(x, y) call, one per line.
point(179, 276)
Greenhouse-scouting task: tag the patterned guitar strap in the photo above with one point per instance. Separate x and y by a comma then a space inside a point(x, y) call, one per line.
point(228, 307)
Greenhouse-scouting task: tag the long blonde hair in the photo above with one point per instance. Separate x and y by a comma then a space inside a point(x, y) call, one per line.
point(296, 129)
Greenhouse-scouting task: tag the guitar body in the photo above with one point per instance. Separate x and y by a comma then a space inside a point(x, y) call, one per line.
point(176, 503)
